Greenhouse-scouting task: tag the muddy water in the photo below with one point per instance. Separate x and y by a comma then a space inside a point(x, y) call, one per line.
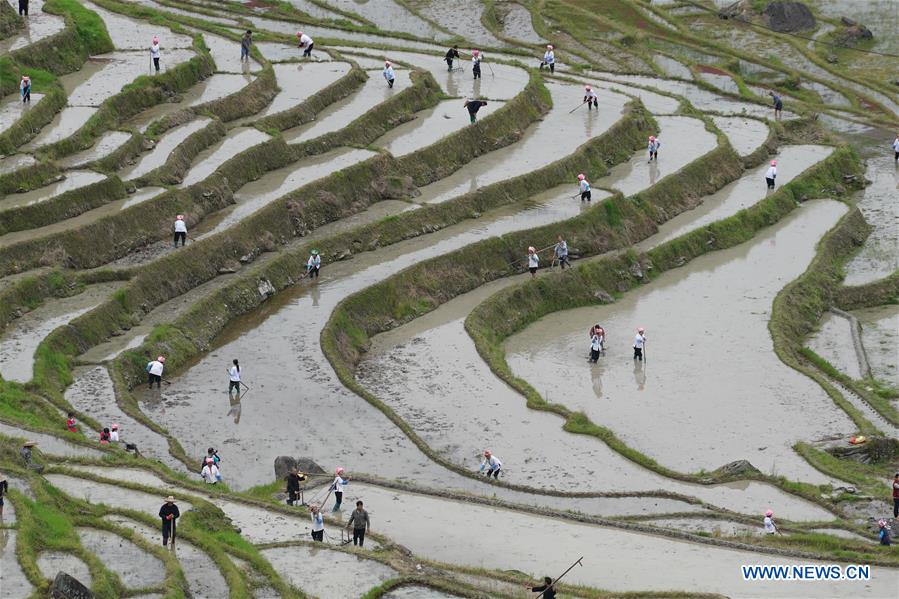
point(388, 15)
point(203, 576)
point(713, 527)
point(504, 82)
point(683, 139)
point(236, 141)
point(740, 194)
point(217, 86)
point(417, 592)
point(133, 34)
point(38, 25)
point(275, 184)
point(299, 81)
point(266, 429)
point(316, 32)
point(88, 217)
point(106, 74)
point(134, 567)
point(108, 142)
point(517, 24)
point(21, 338)
point(163, 148)
point(314, 10)
point(72, 180)
point(699, 402)
point(558, 130)
point(12, 579)
point(65, 123)
point(429, 126)
point(165, 8)
point(723, 82)
point(833, 342)
point(226, 54)
point(879, 256)
point(401, 369)
point(50, 444)
point(462, 18)
point(115, 496)
point(12, 109)
point(655, 103)
point(880, 333)
point(52, 562)
point(745, 135)
point(13, 163)
point(545, 545)
point(340, 114)
point(302, 568)
point(92, 393)
point(133, 475)
point(672, 68)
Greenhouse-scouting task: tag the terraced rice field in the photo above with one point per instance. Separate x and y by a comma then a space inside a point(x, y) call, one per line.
point(424, 340)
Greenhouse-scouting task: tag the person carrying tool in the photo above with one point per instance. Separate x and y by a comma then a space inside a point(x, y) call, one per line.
point(318, 524)
point(360, 523)
point(639, 343)
point(294, 478)
point(211, 454)
point(388, 73)
point(155, 52)
point(473, 106)
point(313, 264)
point(596, 342)
point(154, 372)
point(546, 588)
point(306, 44)
point(770, 527)
point(778, 105)
point(491, 465)
point(180, 229)
point(584, 186)
point(25, 89)
point(476, 63)
point(549, 59)
point(451, 54)
point(561, 251)
point(653, 146)
point(771, 174)
point(234, 377)
point(337, 487)
point(533, 261)
point(590, 98)
point(169, 513)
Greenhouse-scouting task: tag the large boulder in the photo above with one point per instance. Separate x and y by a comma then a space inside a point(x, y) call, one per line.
point(284, 463)
point(789, 16)
point(68, 587)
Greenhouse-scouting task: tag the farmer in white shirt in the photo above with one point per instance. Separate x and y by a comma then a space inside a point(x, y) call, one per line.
point(180, 228)
point(155, 52)
point(388, 73)
point(639, 343)
point(771, 174)
point(770, 528)
point(154, 372)
point(306, 43)
point(549, 59)
point(584, 187)
point(114, 433)
point(591, 98)
point(533, 261)
point(338, 486)
point(313, 264)
point(896, 148)
point(491, 465)
point(318, 524)
point(234, 377)
point(653, 146)
point(211, 472)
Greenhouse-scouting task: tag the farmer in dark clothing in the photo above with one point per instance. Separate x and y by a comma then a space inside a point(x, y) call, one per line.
point(778, 105)
point(294, 478)
point(546, 588)
point(246, 42)
point(360, 522)
point(4, 487)
point(23, 8)
point(473, 107)
point(896, 496)
point(450, 55)
point(169, 513)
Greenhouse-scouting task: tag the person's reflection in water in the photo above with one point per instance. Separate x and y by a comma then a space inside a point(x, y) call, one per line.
point(640, 374)
point(596, 375)
point(234, 410)
point(316, 293)
point(653, 172)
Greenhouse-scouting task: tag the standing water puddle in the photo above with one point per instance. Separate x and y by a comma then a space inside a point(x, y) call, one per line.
point(156, 157)
point(207, 161)
point(302, 567)
point(12, 109)
point(744, 134)
point(298, 81)
point(105, 145)
point(694, 390)
point(65, 123)
point(72, 180)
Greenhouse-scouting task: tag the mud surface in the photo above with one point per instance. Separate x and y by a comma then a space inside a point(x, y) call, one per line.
point(539, 542)
point(301, 566)
point(879, 256)
point(13, 163)
point(21, 338)
point(517, 24)
point(92, 394)
point(417, 592)
point(109, 141)
point(833, 342)
point(340, 114)
point(216, 87)
point(429, 126)
point(299, 81)
point(38, 25)
point(316, 32)
point(880, 333)
point(672, 68)
point(134, 34)
point(547, 355)
point(12, 579)
point(51, 444)
point(740, 194)
point(65, 123)
point(72, 180)
point(389, 15)
point(710, 526)
point(745, 135)
point(106, 74)
point(114, 496)
point(559, 130)
point(53, 562)
point(12, 109)
point(135, 568)
point(275, 184)
point(226, 54)
point(210, 159)
point(156, 157)
point(463, 18)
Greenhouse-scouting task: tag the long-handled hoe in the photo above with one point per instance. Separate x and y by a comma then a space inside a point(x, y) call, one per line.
point(553, 583)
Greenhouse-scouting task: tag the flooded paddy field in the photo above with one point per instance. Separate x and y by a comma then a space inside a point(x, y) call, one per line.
point(404, 394)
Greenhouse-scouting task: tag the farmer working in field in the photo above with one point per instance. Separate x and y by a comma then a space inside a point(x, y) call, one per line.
point(473, 106)
point(451, 54)
point(306, 44)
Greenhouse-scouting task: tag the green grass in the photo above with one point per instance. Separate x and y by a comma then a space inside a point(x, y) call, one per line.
point(88, 25)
